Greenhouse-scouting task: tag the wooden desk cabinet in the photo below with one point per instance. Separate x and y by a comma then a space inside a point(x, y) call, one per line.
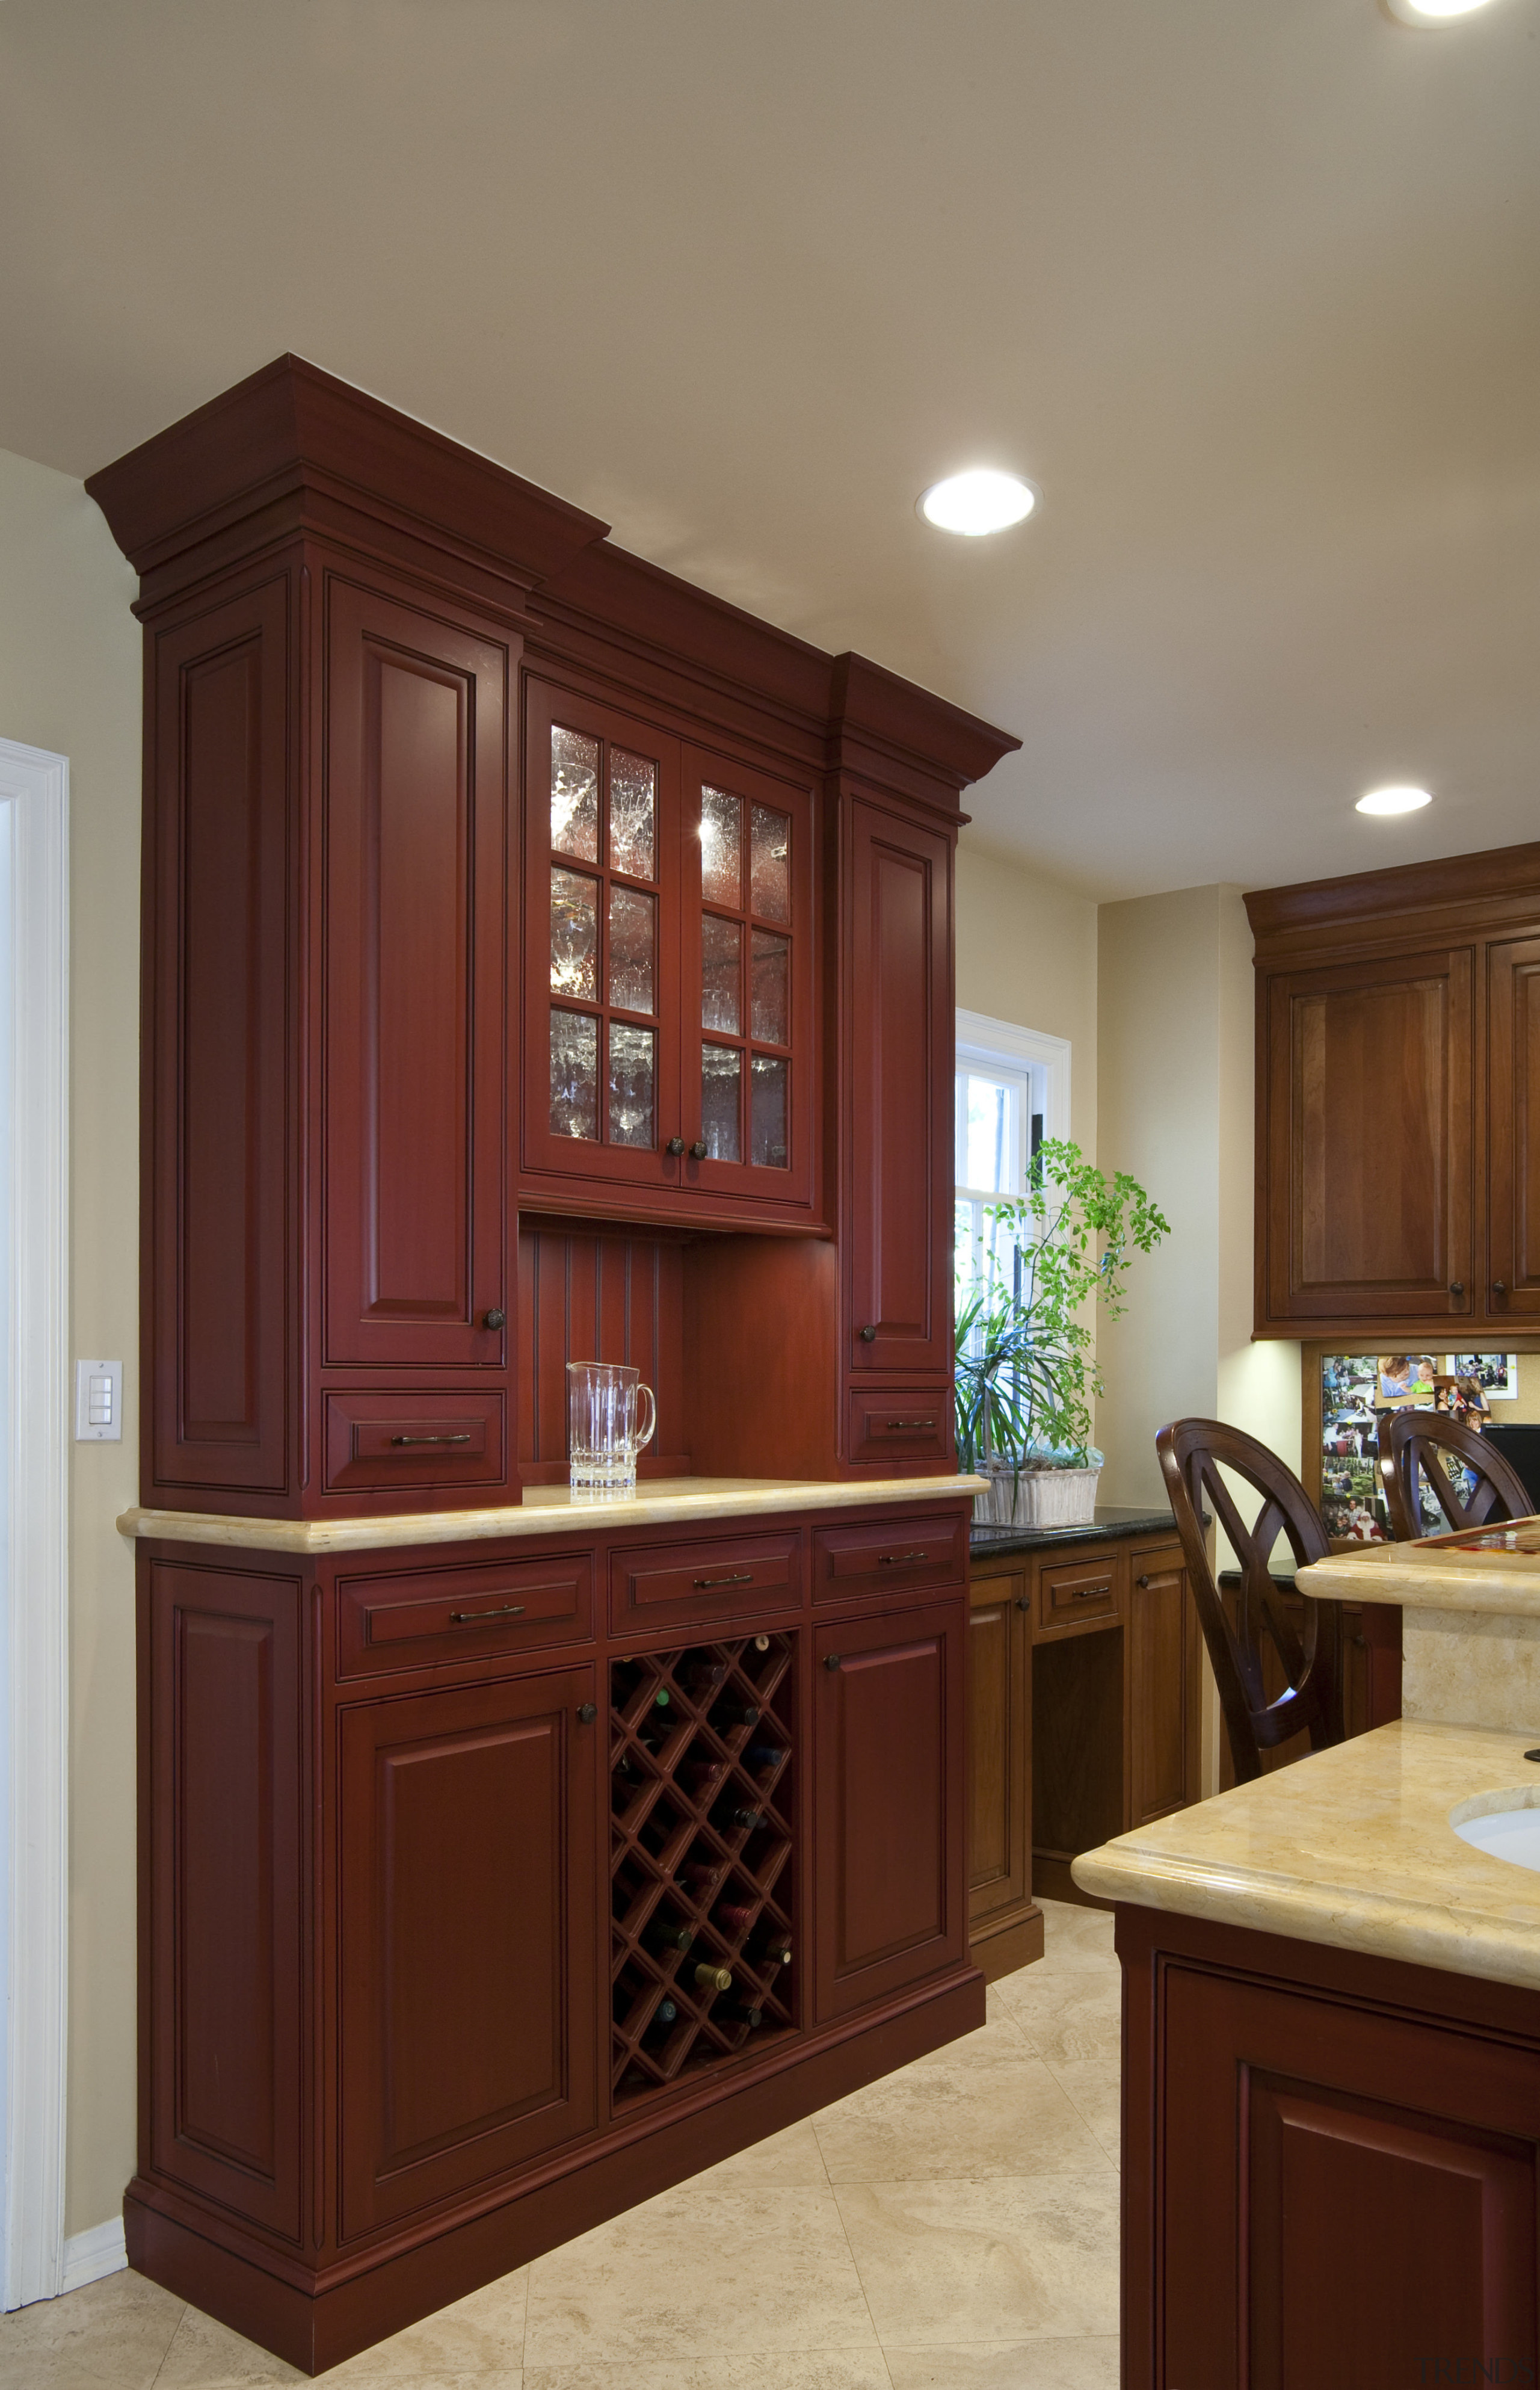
point(1085, 1700)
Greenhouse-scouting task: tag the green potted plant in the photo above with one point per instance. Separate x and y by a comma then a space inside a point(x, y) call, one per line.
point(1026, 1369)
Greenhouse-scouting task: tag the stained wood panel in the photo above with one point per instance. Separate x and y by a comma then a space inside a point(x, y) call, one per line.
point(217, 833)
point(891, 1867)
point(901, 1080)
point(1164, 1693)
point(1371, 1140)
point(1299, 2129)
point(469, 1853)
point(416, 999)
point(221, 1652)
point(598, 1296)
point(1513, 1128)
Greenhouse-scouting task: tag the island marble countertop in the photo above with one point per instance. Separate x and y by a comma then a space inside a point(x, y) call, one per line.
point(1494, 1569)
point(549, 1511)
point(1353, 1847)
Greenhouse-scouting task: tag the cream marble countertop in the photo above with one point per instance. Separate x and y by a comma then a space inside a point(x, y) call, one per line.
point(549, 1509)
point(1494, 1569)
point(1353, 1847)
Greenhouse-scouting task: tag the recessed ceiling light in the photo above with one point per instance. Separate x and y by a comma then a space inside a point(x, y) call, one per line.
point(1392, 800)
point(976, 502)
point(1432, 12)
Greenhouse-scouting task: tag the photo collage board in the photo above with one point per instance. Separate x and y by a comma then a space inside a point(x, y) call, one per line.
point(1358, 1389)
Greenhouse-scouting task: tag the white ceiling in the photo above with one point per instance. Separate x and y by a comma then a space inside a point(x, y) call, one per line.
point(1250, 287)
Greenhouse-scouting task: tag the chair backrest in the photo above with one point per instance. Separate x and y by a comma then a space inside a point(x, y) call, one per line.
point(1191, 1452)
point(1412, 1449)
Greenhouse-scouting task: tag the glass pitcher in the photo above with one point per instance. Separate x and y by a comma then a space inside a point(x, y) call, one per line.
point(604, 1425)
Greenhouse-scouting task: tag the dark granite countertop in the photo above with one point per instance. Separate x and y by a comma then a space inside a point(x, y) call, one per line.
point(1114, 1523)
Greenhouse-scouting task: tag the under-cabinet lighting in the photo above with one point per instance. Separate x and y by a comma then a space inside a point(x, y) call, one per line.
point(977, 503)
point(1393, 801)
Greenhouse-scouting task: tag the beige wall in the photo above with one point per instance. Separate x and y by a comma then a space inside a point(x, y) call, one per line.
point(69, 682)
point(1175, 1029)
point(1027, 952)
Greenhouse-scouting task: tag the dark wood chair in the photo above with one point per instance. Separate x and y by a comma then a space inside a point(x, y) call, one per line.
point(1191, 1453)
point(1412, 1449)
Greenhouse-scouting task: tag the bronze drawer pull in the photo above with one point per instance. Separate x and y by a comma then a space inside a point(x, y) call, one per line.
point(474, 1618)
point(1092, 1592)
point(910, 1423)
point(432, 1439)
point(739, 1577)
point(899, 1559)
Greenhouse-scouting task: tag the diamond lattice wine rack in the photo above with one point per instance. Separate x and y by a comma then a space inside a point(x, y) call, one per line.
point(701, 1785)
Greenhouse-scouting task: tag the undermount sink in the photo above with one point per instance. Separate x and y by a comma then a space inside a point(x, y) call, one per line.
point(1504, 1825)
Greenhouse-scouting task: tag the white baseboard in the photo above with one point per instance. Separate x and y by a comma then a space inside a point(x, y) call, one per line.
point(89, 2256)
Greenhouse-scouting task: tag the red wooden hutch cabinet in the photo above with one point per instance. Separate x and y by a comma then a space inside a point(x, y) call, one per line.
point(542, 960)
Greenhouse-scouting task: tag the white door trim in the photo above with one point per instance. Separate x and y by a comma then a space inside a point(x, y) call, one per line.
point(34, 801)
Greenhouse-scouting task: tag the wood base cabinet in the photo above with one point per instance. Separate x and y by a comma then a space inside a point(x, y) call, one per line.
point(487, 1895)
point(1330, 2167)
point(1083, 1720)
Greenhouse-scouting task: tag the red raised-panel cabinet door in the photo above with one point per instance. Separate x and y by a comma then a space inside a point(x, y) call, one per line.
point(900, 1061)
point(415, 985)
point(601, 949)
point(220, 1316)
point(224, 1834)
point(890, 1796)
point(466, 2027)
point(1513, 1130)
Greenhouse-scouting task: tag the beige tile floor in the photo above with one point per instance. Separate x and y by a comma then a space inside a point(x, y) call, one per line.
point(954, 2227)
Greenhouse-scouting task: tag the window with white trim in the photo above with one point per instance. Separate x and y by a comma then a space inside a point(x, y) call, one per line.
point(1012, 1090)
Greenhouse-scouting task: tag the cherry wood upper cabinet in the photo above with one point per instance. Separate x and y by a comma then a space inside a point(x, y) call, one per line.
point(1513, 1127)
point(467, 2022)
point(670, 1020)
point(1370, 1140)
point(1398, 1098)
point(415, 985)
point(899, 1083)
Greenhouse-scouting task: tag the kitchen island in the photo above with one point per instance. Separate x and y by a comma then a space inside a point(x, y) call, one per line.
point(1331, 2034)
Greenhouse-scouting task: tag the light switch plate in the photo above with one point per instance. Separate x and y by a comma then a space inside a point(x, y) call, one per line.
point(98, 1402)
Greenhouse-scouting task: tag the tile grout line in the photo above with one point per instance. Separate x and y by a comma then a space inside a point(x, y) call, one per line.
point(855, 2266)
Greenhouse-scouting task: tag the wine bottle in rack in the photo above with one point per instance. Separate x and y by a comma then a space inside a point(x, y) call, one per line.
point(697, 1877)
point(705, 1676)
point(735, 1916)
point(773, 1950)
point(729, 1714)
point(747, 2013)
point(702, 1776)
point(713, 1979)
point(739, 1819)
point(665, 2013)
point(764, 1754)
point(662, 1937)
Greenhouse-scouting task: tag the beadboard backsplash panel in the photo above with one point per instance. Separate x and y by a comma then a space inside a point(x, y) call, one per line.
point(597, 1294)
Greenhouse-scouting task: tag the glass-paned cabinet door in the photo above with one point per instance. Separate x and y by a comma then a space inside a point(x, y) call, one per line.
point(601, 1088)
point(749, 1056)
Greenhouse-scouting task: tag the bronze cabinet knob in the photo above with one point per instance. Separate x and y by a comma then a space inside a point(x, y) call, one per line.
point(587, 1712)
point(869, 1336)
point(698, 1151)
point(1457, 1290)
point(832, 1660)
point(675, 1145)
point(493, 1319)
point(1499, 1286)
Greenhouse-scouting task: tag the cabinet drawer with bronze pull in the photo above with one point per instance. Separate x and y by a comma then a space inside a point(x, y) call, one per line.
point(1076, 1595)
point(899, 1424)
point(406, 1442)
point(887, 1556)
point(421, 1618)
point(717, 1577)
